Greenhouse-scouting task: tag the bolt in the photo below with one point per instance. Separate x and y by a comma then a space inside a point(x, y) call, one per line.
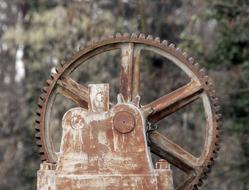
point(124, 122)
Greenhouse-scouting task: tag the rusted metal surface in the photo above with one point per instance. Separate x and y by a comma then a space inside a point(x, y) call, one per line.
point(106, 144)
point(97, 153)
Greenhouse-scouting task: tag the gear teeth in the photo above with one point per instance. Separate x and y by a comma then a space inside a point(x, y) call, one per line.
point(56, 70)
point(45, 89)
point(195, 187)
point(217, 136)
point(185, 55)
point(215, 154)
point(42, 97)
point(197, 65)
point(178, 50)
point(209, 166)
point(53, 76)
point(165, 42)
point(200, 183)
point(37, 129)
point(191, 60)
point(82, 47)
point(118, 35)
point(43, 158)
point(157, 40)
point(172, 46)
point(208, 169)
point(37, 120)
point(149, 37)
point(49, 82)
point(38, 135)
point(213, 94)
point(39, 143)
point(203, 71)
point(126, 35)
point(221, 132)
point(40, 103)
point(218, 117)
point(217, 108)
point(217, 148)
point(219, 123)
point(215, 100)
point(40, 150)
point(59, 68)
point(38, 112)
point(204, 176)
point(212, 161)
point(133, 35)
point(211, 83)
point(142, 36)
point(206, 78)
point(207, 82)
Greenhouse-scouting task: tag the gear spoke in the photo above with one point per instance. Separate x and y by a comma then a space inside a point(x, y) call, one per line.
point(136, 74)
point(74, 91)
point(130, 72)
point(173, 153)
point(172, 102)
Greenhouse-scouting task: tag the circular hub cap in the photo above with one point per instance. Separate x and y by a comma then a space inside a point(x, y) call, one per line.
point(124, 122)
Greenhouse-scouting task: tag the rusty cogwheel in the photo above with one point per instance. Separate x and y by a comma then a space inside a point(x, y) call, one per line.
point(199, 87)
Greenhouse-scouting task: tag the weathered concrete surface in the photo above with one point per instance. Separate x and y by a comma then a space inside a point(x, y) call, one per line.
point(50, 179)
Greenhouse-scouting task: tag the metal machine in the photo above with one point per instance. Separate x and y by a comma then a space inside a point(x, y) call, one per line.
point(107, 146)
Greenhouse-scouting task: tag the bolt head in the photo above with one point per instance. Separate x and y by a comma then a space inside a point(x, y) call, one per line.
point(124, 122)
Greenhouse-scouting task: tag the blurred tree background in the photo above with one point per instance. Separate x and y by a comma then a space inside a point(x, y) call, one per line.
point(36, 35)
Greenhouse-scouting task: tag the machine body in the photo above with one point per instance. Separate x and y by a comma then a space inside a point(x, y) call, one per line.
point(104, 149)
